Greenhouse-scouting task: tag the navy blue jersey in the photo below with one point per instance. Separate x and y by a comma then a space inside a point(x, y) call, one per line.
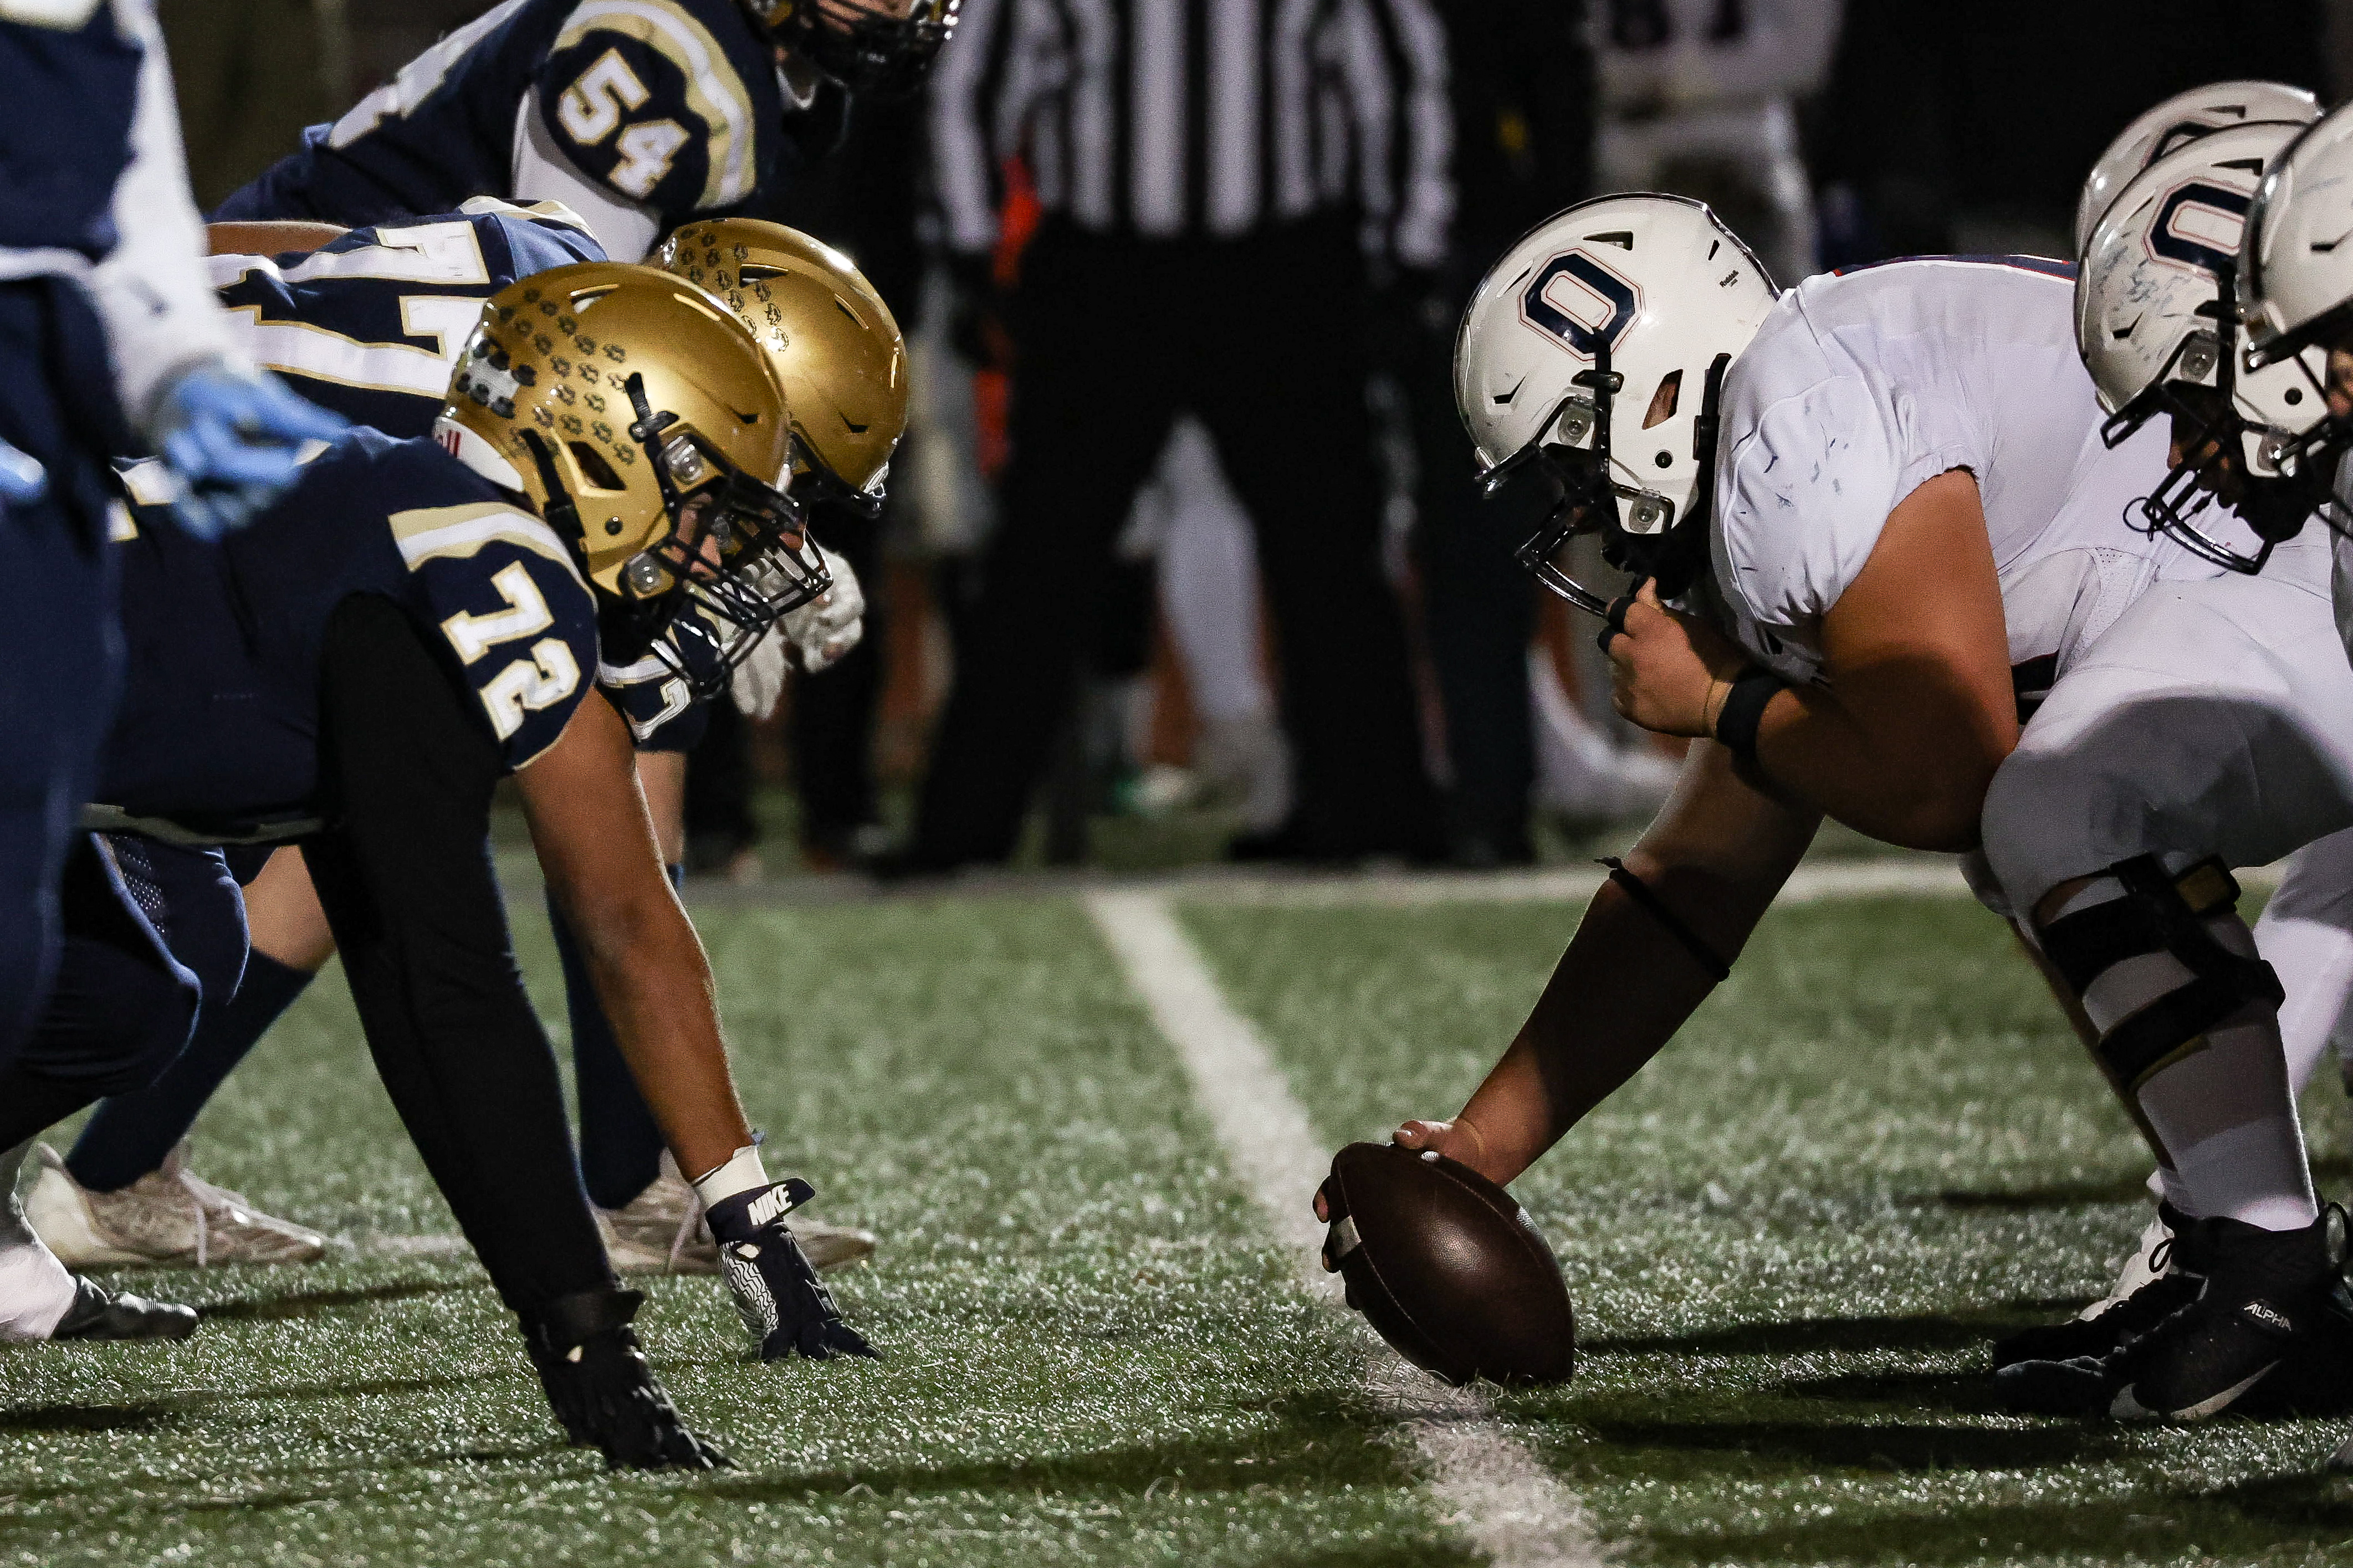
point(672, 106)
point(65, 132)
point(219, 724)
point(371, 325)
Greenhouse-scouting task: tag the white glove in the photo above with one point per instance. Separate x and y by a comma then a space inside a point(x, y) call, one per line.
point(759, 680)
point(830, 625)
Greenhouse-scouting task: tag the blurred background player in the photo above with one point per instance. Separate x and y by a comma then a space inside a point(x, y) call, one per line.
point(1207, 182)
point(99, 274)
point(1699, 98)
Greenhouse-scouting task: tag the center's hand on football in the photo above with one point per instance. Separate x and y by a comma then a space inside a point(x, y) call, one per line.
point(1669, 672)
point(1457, 1140)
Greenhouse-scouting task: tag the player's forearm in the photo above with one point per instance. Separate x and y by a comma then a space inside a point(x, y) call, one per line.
point(654, 982)
point(1714, 859)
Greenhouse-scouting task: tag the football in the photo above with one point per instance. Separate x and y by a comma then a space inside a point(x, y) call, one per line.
point(1447, 1268)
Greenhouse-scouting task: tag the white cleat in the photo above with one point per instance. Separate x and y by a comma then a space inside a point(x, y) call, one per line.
point(660, 1231)
point(168, 1219)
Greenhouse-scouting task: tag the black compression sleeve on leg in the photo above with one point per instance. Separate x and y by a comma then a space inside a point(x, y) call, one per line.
point(405, 878)
point(129, 1134)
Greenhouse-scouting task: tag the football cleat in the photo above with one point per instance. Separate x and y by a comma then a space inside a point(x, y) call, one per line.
point(784, 1303)
point(604, 1390)
point(660, 1231)
point(168, 1218)
point(2271, 1330)
point(2159, 1278)
point(98, 1313)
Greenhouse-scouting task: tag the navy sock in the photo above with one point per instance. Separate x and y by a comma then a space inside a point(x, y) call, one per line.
point(620, 1143)
point(129, 1134)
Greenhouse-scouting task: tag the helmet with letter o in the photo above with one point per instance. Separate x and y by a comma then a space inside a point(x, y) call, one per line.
point(642, 423)
point(1594, 352)
point(2157, 324)
point(2169, 127)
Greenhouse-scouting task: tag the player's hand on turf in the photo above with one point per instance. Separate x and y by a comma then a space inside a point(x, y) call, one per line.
point(23, 480)
point(830, 625)
point(234, 435)
point(1668, 671)
point(784, 1303)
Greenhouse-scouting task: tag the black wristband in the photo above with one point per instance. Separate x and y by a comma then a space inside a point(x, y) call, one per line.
point(1743, 710)
point(1639, 891)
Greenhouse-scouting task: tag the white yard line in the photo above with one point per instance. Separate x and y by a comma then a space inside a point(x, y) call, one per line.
point(1502, 1499)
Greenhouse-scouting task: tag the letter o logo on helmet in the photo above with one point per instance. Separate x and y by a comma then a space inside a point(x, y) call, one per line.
point(1552, 303)
point(2199, 225)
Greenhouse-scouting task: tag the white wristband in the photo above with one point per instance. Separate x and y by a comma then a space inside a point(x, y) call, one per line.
point(742, 1174)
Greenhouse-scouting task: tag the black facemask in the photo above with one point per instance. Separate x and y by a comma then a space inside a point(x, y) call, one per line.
point(1674, 554)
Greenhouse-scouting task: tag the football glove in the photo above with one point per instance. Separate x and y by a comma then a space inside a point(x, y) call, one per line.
point(759, 680)
point(604, 1390)
point(830, 625)
point(234, 438)
point(784, 1304)
point(23, 480)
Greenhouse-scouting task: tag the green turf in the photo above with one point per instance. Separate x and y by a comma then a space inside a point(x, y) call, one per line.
point(1089, 1358)
point(1790, 1237)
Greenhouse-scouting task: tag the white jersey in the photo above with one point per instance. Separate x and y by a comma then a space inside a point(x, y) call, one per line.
point(1683, 54)
point(1860, 386)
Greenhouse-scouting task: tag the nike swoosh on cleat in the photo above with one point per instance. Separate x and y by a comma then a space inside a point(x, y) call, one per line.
point(2128, 1408)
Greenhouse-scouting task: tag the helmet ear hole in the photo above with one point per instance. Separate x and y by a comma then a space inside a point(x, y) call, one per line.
point(595, 471)
point(1664, 401)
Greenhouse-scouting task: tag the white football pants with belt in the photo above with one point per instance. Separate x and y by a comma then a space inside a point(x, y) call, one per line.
point(2213, 720)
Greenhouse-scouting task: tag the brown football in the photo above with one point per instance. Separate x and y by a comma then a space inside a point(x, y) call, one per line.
point(1447, 1268)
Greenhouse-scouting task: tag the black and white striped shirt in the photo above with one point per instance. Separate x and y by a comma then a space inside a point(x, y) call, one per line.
point(1170, 119)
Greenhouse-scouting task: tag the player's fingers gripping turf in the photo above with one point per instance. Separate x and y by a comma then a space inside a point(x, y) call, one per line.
point(784, 1303)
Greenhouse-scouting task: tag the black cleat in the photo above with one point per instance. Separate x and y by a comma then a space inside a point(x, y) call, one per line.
point(98, 1313)
point(2180, 1274)
point(604, 1390)
point(2270, 1333)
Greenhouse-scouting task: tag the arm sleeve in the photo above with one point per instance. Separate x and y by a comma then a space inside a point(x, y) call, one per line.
point(161, 317)
point(966, 89)
point(626, 229)
point(1393, 55)
point(647, 103)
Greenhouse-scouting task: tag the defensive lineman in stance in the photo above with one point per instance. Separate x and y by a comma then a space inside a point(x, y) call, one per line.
point(1884, 502)
point(350, 320)
point(415, 620)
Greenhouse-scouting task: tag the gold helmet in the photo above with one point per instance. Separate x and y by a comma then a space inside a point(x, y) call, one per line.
point(830, 339)
point(644, 425)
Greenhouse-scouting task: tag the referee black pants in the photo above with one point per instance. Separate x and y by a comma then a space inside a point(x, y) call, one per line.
point(1262, 339)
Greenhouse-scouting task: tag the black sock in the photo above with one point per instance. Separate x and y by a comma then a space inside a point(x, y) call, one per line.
point(620, 1143)
point(130, 1134)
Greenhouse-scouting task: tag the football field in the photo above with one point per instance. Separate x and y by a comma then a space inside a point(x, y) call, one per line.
point(1789, 1242)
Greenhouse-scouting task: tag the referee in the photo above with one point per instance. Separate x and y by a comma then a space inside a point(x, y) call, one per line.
point(1215, 178)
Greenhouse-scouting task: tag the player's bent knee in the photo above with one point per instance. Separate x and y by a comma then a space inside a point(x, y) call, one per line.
point(2148, 1020)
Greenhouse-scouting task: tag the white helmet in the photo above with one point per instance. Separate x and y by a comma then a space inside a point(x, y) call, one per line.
point(2157, 325)
point(2296, 272)
point(2174, 124)
point(1596, 348)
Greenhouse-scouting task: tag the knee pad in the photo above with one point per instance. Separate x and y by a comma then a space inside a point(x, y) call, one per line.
point(2160, 912)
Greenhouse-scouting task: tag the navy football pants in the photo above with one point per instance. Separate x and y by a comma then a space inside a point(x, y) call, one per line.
point(64, 649)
